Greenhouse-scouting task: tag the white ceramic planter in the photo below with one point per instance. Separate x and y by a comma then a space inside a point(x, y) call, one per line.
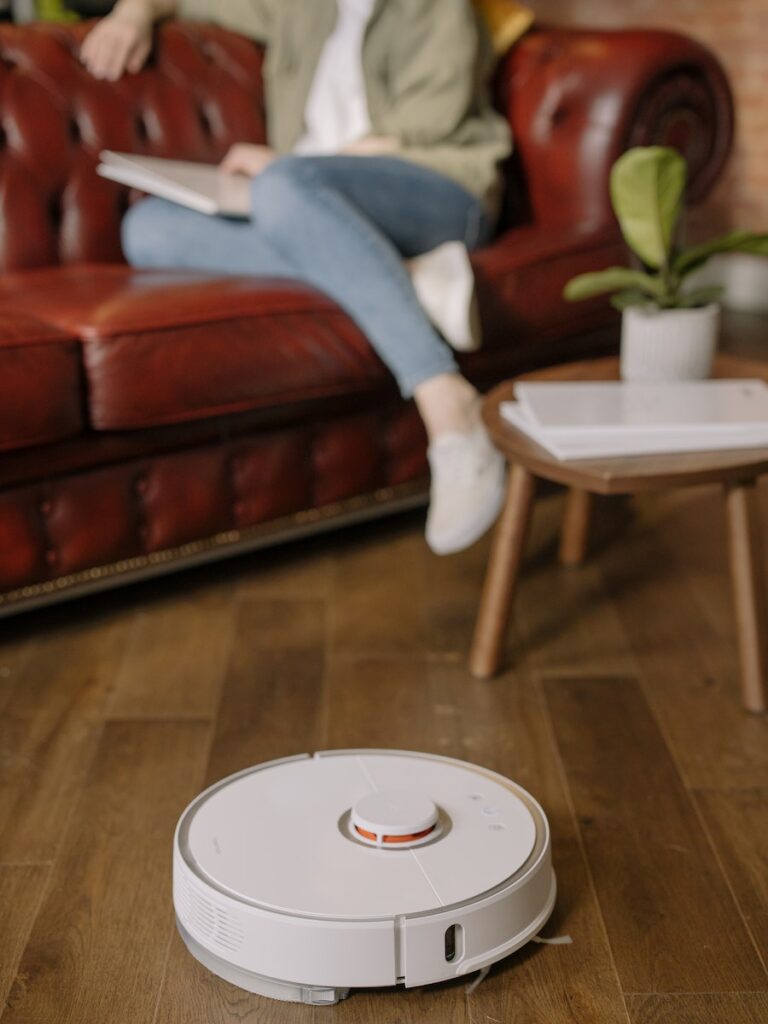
point(669, 344)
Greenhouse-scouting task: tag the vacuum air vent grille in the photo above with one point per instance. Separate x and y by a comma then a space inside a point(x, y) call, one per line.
point(209, 921)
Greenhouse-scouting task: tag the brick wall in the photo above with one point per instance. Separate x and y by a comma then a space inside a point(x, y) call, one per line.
point(737, 31)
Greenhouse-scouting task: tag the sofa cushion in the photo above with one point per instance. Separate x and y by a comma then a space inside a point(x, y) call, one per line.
point(41, 395)
point(169, 347)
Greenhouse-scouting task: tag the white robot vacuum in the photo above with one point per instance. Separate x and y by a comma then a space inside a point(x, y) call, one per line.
point(305, 877)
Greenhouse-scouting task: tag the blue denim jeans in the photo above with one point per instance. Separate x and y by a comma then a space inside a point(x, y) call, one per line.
point(340, 223)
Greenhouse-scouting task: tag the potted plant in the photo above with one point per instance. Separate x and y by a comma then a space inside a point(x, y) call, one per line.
point(670, 327)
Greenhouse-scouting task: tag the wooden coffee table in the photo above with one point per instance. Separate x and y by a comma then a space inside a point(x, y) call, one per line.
point(735, 471)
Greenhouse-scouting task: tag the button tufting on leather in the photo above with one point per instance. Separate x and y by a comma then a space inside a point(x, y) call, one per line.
point(61, 109)
point(560, 114)
point(55, 211)
point(205, 121)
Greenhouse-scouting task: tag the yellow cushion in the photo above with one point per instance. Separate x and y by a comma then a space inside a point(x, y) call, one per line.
point(507, 21)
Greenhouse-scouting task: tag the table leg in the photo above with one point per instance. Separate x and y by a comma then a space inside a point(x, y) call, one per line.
point(502, 573)
point(575, 530)
point(748, 591)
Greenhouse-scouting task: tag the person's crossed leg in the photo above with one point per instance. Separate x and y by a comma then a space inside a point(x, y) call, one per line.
point(345, 224)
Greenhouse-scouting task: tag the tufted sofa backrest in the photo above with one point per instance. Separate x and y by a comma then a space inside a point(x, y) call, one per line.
point(575, 101)
point(201, 93)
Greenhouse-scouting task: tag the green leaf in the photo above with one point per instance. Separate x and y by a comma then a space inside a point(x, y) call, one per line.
point(647, 187)
point(614, 279)
point(736, 241)
point(630, 297)
point(699, 297)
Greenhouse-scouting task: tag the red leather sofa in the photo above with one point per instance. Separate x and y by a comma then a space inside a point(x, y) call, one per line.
point(151, 420)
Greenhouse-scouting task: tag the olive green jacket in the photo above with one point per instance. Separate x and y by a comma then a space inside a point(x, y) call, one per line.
point(426, 65)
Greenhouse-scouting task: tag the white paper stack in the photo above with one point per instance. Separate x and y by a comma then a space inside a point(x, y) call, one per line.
point(607, 419)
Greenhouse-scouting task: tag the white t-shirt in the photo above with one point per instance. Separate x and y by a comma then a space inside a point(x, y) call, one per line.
point(337, 108)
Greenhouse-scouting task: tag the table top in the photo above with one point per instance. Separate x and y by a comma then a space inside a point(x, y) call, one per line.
point(625, 475)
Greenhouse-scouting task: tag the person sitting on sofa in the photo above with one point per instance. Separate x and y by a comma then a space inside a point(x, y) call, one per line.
point(383, 146)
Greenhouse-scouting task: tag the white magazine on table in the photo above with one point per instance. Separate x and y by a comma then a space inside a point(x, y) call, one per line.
point(592, 420)
point(612, 409)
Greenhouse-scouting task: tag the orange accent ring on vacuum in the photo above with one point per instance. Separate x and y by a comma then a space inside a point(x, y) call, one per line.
point(394, 839)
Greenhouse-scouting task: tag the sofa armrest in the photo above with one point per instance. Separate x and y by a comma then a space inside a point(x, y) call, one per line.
point(577, 99)
point(520, 281)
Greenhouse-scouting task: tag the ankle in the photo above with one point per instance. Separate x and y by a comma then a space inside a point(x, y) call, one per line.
point(448, 404)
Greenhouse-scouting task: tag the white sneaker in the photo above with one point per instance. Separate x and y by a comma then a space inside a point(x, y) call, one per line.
point(445, 285)
point(467, 489)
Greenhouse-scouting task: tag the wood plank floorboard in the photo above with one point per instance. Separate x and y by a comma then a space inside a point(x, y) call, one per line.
point(14, 652)
point(378, 702)
point(290, 570)
point(97, 950)
point(271, 701)
point(561, 611)
point(560, 614)
point(21, 889)
point(689, 676)
point(505, 726)
point(452, 586)
point(671, 919)
point(707, 1008)
point(438, 1004)
point(49, 732)
point(192, 994)
point(378, 602)
point(689, 527)
point(175, 657)
point(617, 707)
point(737, 822)
point(271, 706)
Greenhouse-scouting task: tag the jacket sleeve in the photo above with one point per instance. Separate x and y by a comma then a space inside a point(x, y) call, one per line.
point(251, 18)
point(434, 72)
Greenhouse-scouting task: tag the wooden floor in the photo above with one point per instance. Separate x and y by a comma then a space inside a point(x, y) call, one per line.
point(619, 710)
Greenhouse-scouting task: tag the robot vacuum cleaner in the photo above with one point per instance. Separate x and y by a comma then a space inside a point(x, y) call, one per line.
point(305, 877)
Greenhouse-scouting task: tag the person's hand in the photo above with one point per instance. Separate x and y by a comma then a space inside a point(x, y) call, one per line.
point(245, 158)
point(372, 145)
point(120, 42)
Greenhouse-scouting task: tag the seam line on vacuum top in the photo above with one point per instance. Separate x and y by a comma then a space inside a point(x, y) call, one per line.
point(422, 869)
point(367, 774)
